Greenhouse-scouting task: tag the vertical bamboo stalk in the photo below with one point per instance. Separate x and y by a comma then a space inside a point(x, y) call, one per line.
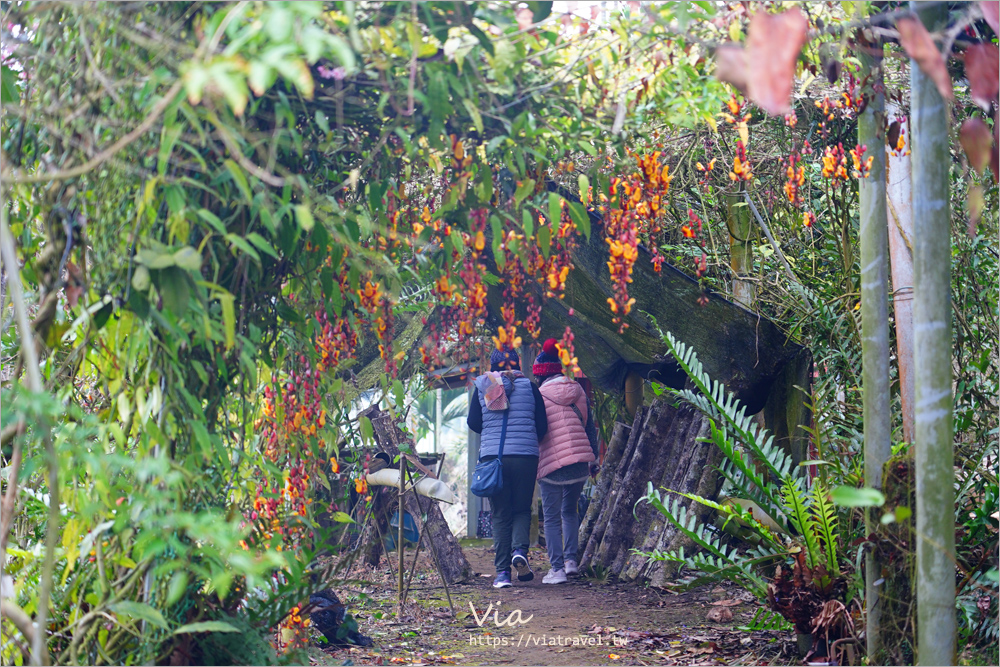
point(900, 218)
point(740, 249)
point(935, 457)
point(400, 550)
point(874, 317)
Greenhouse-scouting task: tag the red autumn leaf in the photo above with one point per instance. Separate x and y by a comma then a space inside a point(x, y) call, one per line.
point(982, 69)
point(773, 45)
point(731, 65)
point(991, 12)
point(975, 139)
point(920, 46)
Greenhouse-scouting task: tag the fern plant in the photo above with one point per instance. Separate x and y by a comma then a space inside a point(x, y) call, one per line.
point(756, 470)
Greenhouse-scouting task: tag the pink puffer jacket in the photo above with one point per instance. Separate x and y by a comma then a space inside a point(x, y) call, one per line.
point(566, 441)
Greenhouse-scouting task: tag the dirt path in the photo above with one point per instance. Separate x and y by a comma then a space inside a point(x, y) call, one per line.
point(584, 622)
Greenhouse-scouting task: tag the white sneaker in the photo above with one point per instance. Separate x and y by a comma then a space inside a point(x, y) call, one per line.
point(555, 577)
point(571, 567)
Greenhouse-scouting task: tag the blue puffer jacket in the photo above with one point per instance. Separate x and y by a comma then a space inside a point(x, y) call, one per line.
point(522, 438)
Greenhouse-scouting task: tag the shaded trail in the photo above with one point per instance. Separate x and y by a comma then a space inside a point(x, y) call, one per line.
point(583, 622)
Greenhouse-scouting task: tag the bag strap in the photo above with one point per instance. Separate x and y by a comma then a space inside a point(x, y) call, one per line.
point(503, 432)
point(583, 422)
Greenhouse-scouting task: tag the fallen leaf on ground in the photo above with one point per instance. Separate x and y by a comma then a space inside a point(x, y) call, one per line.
point(727, 603)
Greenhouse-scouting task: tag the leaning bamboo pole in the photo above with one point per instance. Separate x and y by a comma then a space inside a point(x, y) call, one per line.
point(935, 457)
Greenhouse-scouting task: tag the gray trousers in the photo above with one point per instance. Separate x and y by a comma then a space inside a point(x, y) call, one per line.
point(562, 521)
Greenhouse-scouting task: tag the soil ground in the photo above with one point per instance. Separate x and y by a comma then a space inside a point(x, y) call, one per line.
point(584, 622)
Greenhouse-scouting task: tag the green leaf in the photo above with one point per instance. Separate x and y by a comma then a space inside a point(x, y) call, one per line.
point(526, 188)
point(580, 218)
point(175, 288)
point(206, 626)
point(212, 219)
point(140, 611)
point(242, 244)
point(188, 258)
point(555, 211)
point(477, 118)
point(8, 86)
point(343, 517)
point(848, 496)
point(167, 142)
point(584, 188)
point(367, 430)
point(227, 301)
point(261, 244)
point(305, 217)
point(545, 240)
point(240, 179)
point(528, 222)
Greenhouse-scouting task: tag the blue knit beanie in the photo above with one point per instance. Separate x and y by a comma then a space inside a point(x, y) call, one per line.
point(500, 356)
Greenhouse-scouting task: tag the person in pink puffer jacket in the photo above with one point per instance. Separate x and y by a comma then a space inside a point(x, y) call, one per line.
point(564, 458)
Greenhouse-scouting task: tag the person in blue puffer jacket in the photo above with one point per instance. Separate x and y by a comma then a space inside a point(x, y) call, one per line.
point(526, 426)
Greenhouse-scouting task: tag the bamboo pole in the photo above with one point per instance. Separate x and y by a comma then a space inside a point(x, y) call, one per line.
point(400, 513)
point(935, 457)
point(900, 220)
point(874, 320)
point(741, 249)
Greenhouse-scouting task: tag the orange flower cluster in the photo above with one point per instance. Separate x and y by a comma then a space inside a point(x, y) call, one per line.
point(637, 211)
point(835, 164)
point(295, 411)
point(862, 166)
point(556, 269)
point(706, 171)
point(383, 331)
point(567, 354)
point(369, 297)
point(742, 170)
point(335, 342)
point(293, 631)
point(473, 297)
point(795, 176)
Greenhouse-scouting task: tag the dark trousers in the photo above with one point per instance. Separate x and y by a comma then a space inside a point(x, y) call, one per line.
point(512, 508)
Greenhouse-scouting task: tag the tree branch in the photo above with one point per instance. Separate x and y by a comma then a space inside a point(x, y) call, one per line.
point(17, 176)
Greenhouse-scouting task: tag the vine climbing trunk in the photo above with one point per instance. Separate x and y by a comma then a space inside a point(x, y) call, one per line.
point(932, 361)
point(874, 317)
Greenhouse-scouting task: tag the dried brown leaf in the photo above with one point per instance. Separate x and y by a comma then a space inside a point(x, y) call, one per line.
point(731, 66)
point(975, 139)
point(895, 127)
point(919, 45)
point(982, 69)
point(773, 45)
point(727, 603)
point(975, 203)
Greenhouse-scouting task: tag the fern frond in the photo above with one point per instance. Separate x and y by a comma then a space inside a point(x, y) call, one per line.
point(798, 514)
point(824, 523)
point(734, 511)
point(715, 401)
point(765, 619)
